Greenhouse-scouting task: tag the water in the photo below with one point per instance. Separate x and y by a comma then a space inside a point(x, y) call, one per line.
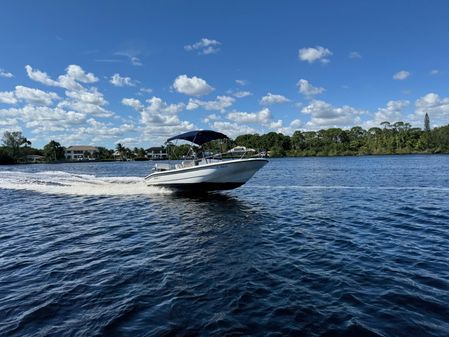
point(310, 247)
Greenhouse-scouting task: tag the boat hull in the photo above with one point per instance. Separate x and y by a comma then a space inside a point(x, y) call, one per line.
point(214, 176)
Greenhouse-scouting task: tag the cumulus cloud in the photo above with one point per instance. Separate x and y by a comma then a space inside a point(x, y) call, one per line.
point(89, 101)
point(45, 118)
point(325, 115)
point(69, 118)
point(263, 116)
point(232, 129)
point(241, 94)
point(437, 107)
point(204, 46)
point(7, 97)
point(158, 119)
point(270, 98)
point(311, 54)
point(210, 118)
point(220, 103)
point(145, 90)
point(132, 102)
point(35, 96)
point(401, 75)
point(5, 74)
point(28, 95)
point(392, 112)
point(241, 82)
point(122, 81)
point(307, 89)
point(70, 80)
point(192, 86)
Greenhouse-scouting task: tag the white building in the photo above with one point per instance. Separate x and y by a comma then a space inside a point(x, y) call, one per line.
point(81, 152)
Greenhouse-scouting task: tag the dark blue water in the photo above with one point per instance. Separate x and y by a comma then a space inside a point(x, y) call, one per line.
point(309, 247)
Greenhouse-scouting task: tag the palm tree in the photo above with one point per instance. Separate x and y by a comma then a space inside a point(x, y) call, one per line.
point(120, 150)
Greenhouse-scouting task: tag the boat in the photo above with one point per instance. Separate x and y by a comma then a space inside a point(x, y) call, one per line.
point(208, 173)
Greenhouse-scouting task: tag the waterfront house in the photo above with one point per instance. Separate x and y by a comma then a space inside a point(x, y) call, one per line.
point(156, 153)
point(33, 158)
point(81, 152)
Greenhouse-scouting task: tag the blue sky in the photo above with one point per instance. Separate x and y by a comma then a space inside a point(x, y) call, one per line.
point(137, 72)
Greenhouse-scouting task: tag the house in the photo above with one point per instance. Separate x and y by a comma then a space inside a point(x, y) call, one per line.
point(81, 152)
point(34, 158)
point(156, 153)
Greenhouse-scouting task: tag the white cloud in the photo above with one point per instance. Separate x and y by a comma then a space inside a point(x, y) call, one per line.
point(263, 116)
point(287, 130)
point(70, 80)
point(192, 86)
point(325, 115)
point(355, 55)
point(232, 129)
point(220, 104)
point(35, 96)
point(276, 124)
point(401, 75)
point(210, 118)
point(9, 122)
point(135, 61)
point(44, 118)
point(204, 46)
point(157, 105)
point(28, 95)
point(436, 106)
point(132, 56)
point(270, 98)
point(157, 112)
point(78, 74)
point(40, 76)
point(89, 101)
point(7, 97)
point(434, 72)
point(392, 112)
point(145, 90)
point(158, 119)
point(132, 102)
point(5, 74)
point(241, 82)
point(122, 81)
point(241, 94)
point(307, 89)
point(314, 54)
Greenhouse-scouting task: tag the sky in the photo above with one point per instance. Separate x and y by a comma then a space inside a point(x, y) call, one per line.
point(138, 72)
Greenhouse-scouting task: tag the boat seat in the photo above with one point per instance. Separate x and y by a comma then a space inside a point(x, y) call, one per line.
point(188, 163)
point(162, 167)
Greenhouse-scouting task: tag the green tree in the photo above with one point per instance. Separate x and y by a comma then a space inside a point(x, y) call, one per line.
point(426, 123)
point(53, 151)
point(121, 150)
point(14, 141)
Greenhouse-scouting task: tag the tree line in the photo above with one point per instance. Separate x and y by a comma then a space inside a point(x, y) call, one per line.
point(388, 138)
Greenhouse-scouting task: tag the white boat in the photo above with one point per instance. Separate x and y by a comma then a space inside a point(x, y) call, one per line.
point(204, 174)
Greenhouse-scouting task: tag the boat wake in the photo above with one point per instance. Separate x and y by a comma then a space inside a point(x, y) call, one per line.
point(59, 182)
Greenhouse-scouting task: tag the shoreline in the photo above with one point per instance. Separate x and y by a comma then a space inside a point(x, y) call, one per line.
point(273, 157)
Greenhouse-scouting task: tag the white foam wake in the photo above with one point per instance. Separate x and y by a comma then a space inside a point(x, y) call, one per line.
point(59, 182)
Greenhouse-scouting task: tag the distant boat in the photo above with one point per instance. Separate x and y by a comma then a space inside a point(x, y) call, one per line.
point(208, 173)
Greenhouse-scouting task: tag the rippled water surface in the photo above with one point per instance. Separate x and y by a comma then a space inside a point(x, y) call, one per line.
point(309, 247)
